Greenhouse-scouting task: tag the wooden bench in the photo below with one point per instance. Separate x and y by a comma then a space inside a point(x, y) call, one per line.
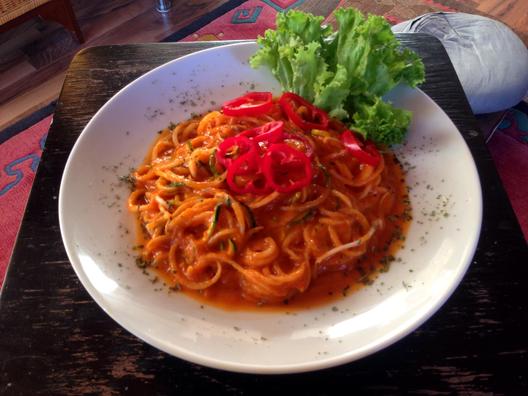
point(14, 12)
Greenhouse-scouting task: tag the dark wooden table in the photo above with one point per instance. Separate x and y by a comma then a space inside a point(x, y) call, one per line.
point(55, 340)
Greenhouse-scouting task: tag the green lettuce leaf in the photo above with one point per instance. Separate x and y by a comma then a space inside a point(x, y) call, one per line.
point(332, 90)
point(389, 123)
point(293, 51)
point(344, 72)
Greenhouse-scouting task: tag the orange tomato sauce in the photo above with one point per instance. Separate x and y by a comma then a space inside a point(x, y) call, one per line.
point(328, 286)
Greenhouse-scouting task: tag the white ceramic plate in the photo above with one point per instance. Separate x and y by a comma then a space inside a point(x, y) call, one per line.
point(98, 232)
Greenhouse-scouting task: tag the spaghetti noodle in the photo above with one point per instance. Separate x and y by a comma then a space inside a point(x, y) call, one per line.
point(205, 230)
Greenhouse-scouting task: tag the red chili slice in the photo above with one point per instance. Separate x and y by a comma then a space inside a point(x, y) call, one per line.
point(253, 180)
point(315, 117)
point(272, 132)
point(286, 169)
point(366, 152)
point(234, 147)
point(251, 104)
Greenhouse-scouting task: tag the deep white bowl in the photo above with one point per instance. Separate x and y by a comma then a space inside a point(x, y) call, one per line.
point(98, 231)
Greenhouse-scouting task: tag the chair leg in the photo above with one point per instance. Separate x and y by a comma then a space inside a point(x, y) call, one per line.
point(61, 12)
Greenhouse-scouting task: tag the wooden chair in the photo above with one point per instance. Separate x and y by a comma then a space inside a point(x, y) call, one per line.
point(14, 12)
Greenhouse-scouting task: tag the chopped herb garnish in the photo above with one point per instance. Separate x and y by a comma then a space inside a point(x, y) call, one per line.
point(171, 203)
point(141, 263)
point(216, 216)
point(232, 245)
point(212, 163)
point(325, 173)
point(176, 184)
point(129, 179)
point(307, 216)
point(252, 221)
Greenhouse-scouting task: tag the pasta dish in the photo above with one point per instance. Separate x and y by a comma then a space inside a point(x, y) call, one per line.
point(267, 201)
